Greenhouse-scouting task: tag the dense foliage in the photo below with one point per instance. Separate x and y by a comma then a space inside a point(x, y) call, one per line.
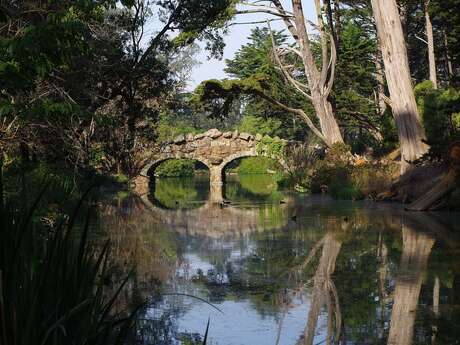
point(176, 168)
point(85, 81)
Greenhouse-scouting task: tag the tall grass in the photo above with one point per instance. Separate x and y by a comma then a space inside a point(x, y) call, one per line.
point(52, 283)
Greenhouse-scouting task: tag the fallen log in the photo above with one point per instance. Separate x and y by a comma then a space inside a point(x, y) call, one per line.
point(448, 183)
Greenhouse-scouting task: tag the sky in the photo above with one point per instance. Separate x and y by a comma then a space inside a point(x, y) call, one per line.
point(237, 36)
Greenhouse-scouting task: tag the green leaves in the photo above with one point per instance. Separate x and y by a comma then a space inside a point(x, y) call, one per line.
point(128, 3)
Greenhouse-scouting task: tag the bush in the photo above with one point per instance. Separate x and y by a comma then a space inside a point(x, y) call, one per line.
point(345, 180)
point(256, 165)
point(259, 125)
point(166, 132)
point(440, 111)
point(176, 168)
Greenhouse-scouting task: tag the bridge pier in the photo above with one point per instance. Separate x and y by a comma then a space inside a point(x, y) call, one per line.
point(216, 184)
point(140, 185)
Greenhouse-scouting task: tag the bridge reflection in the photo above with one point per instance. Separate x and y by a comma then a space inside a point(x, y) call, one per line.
point(215, 220)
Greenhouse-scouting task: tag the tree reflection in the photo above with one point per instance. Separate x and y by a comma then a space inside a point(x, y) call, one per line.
point(356, 262)
point(140, 248)
point(416, 250)
point(325, 293)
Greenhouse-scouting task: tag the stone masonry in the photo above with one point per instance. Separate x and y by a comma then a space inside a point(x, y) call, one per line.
point(213, 148)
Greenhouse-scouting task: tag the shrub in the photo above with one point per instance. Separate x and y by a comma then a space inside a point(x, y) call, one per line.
point(259, 125)
point(299, 160)
point(345, 180)
point(176, 168)
point(166, 132)
point(439, 110)
point(256, 165)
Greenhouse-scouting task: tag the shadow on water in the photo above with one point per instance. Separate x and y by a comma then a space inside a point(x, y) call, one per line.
point(308, 271)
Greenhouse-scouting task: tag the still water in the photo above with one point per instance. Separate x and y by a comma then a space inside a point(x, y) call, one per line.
point(273, 267)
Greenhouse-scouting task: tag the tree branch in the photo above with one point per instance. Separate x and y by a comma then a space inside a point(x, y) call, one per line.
point(331, 67)
point(299, 86)
point(271, 12)
point(296, 111)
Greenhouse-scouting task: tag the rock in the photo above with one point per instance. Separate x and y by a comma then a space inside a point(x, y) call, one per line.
point(258, 137)
point(227, 134)
point(245, 136)
point(235, 134)
point(215, 160)
point(179, 139)
point(213, 133)
point(199, 136)
point(190, 137)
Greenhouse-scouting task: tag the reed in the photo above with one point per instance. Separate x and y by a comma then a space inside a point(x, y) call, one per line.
point(52, 282)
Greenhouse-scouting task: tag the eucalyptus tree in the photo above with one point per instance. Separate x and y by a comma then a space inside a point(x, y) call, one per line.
point(315, 79)
point(310, 76)
point(391, 38)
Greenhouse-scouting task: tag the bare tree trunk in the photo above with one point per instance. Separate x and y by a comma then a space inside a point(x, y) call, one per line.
point(338, 26)
point(430, 40)
point(450, 69)
point(382, 106)
point(319, 80)
point(414, 259)
point(328, 124)
point(330, 21)
point(397, 72)
point(319, 85)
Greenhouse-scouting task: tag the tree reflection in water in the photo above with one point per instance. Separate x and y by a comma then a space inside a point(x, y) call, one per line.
point(416, 250)
point(324, 292)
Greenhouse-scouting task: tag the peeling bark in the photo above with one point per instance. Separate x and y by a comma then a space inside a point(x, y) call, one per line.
point(410, 131)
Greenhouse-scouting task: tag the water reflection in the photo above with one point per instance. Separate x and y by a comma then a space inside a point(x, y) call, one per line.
point(180, 192)
point(194, 192)
point(417, 246)
point(305, 271)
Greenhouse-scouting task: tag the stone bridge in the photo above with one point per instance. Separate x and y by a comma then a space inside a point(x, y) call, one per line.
point(212, 148)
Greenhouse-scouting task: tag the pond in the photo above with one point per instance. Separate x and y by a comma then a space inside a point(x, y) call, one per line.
point(273, 267)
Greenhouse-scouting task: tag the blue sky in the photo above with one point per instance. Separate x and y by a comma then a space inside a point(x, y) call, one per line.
point(214, 69)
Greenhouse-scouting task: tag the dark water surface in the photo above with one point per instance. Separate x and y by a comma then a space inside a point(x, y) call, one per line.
point(281, 268)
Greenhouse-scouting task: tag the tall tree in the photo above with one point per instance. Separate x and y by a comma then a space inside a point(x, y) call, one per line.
point(311, 76)
point(410, 131)
point(430, 42)
point(253, 58)
point(319, 81)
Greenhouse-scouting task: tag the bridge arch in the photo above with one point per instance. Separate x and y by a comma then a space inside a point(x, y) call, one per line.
point(213, 148)
point(155, 163)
